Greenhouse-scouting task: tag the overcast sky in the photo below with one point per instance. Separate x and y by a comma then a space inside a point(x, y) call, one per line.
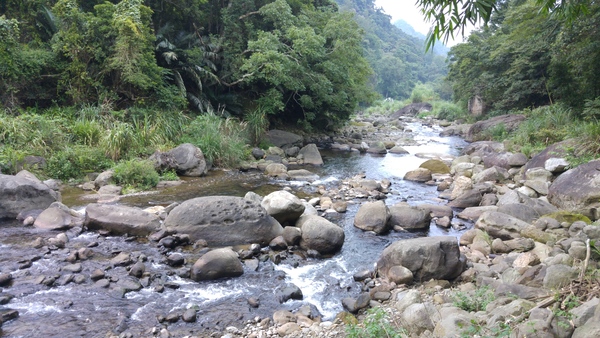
point(409, 12)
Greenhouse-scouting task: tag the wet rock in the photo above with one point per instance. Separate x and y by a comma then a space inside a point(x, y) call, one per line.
point(288, 292)
point(278, 243)
point(373, 216)
point(5, 298)
point(418, 175)
point(186, 159)
point(311, 155)
point(340, 206)
point(223, 220)
point(97, 275)
point(428, 257)
point(283, 206)
point(468, 199)
point(302, 175)
point(215, 264)
point(5, 279)
point(398, 150)
point(277, 170)
point(56, 217)
point(8, 314)
point(122, 259)
point(120, 220)
point(320, 235)
point(362, 275)
point(253, 302)
point(189, 316)
point(72, 268)
point(435, 166)
point(21, 194)
point(137, 270)
point(102, 283)
point(408, 217)
point(352, 305)
point(175, 259)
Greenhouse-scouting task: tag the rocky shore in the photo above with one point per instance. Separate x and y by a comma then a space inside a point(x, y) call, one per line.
point(528, 267)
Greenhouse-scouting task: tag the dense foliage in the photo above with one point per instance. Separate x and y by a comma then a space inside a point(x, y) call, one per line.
point(527, 58)
point(296, 60)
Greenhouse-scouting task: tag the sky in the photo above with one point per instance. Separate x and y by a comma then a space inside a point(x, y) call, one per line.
point(409, 12)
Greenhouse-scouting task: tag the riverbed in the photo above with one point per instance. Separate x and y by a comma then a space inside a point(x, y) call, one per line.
point(82, 310)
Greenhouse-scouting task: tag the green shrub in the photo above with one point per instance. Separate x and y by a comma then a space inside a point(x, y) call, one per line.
point(474, 301)
point(257, 125)
point(75, 162)
point(136, 174)
point(375, 325)
point(449, 111)
point(385, 107)
point(169, 175)
point(423, 93)
point(219, 139)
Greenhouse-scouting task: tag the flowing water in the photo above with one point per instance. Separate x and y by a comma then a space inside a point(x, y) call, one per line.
point(83, 310)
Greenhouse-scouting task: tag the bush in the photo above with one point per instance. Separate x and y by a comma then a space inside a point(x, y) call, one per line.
point(449, 111)
point(219, 139)
point(136, 174)
point(75, 162)
point(475, 301)
point(423, 93)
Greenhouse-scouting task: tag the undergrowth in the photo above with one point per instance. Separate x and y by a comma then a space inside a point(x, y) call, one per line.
point(377, 324)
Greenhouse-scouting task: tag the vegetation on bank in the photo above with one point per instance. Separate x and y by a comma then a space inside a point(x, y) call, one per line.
point(68, 143)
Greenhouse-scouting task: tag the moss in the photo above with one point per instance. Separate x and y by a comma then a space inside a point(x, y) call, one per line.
point(569, 217)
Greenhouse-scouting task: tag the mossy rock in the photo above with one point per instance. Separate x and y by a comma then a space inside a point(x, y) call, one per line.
point(347, 318)
point(436, 166)
point(537, 234)
point(569, 217)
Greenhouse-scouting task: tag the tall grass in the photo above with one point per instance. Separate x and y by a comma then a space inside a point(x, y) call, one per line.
point(257, 125)
point(220, 139)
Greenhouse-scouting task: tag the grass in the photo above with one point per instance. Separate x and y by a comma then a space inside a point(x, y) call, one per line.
point(136, 174)
point(377, 324)
point(474, 301)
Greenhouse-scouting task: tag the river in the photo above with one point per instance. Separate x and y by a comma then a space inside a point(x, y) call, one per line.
point(82, 310)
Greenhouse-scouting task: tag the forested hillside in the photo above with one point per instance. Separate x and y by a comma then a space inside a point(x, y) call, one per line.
point(398, 60)
point(296, 61)
point(528, 58)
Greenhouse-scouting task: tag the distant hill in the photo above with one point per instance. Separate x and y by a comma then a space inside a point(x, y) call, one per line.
point(398, 59)
point(439, 47)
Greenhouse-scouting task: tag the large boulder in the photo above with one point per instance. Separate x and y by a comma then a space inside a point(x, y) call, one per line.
point(22, 194)
point(283, 139)
point(510, 122)
point(555, 150)
point(224, 220)
point(436, 166)
point(215, 264)
point(418, 175)
point(427, 257)
point(506, 227)
point(57, 217)
point(186, 160)
point(578, 190)
point(120, 220)
point(409, 217)
point(321, 235)
point(310, 154)
point(283, 206)
point(373, 216)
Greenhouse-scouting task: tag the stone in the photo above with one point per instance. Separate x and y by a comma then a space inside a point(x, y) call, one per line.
point(186, 159)
point(577, 190)
point(520, 211)
point(398, 150)
point(22, 194)
point(288, 292)
point(283, 206)
point(559, 275)
point(110, 189)
point(473, 213)
point(453, 322)
point(283, 139)
point(277, 170)
point(288, 329)
point(427, 257)
point(258, 153)
point(120, 220)
point(538, 174)
point(418, 318)
point(556, 165)
point(418, 175)
point(517, 160)
point(189, 315)
point(468, 199)
point(400, 275)
point(278, 243)
point(5, 278)
point(436, 166)
point(500, 225)
point(373, 216)
point(311, 155)
point(585, 311)
point(215, 264)
point(461, 185)
point(292, 235)
point(223, 220)
point(281, 317)
point(302, 175)
point(408, 217)
point(320, 234)
point(57, 217)
point(493, 174)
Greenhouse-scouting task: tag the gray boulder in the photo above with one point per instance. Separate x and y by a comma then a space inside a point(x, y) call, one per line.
point(427, 257)
point(23, 194)
point(373, 216)
point(321, 235)
point(120, 220)
point(283, 206)
point(311, 155)
point(478, 129)
point(500, 225)
point(493, 174)
point(302, 175)
point(283, 139)
point(408, 217)
point(223, 220)
point(215, 264)
point(56, 217)
point(552, 151)
point(468, 199)
point(186, 159)
point(577, 190)
point(520, 211)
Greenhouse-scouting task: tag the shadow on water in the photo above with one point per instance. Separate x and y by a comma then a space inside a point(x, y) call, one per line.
point(83, 310)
